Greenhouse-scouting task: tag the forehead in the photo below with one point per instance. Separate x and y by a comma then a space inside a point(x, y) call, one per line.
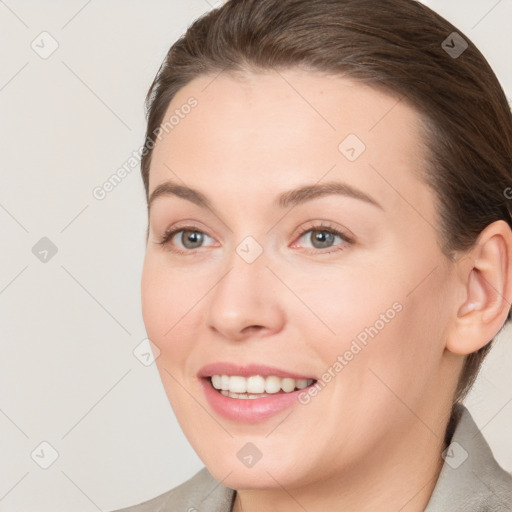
point(269, 131)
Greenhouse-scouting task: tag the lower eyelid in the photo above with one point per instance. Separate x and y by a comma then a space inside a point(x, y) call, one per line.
point(165, 240)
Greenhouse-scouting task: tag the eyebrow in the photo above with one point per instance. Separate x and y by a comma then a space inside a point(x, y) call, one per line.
point(289, 198)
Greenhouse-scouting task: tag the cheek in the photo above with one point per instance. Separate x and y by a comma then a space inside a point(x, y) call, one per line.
point(382, 327)
point(164, 310)
point(154, 300)
point(166, 298)
point(403, 358)
point(345, 304)
point(173, 302)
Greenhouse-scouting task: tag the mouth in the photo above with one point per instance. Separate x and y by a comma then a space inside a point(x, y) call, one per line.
point(252, 393)
point(253, 398)
point(256, 386)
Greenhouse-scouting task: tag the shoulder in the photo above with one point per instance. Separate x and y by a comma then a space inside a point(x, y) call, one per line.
point(471, 480)
point(201, 492)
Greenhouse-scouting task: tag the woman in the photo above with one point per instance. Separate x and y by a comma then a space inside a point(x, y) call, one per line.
point(328, 256)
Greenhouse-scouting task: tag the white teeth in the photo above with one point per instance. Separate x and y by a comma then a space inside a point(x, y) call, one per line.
point(256, 386)
point(272, 384)
point(301, 383)
point(288, 385)
point(224, 382)
point(217, 381)
point(237, 384)
point(241, 395)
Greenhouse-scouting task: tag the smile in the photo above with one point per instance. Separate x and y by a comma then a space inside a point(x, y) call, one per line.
point(256, 386)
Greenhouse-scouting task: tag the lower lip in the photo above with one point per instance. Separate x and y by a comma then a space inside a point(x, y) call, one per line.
point(249, 410)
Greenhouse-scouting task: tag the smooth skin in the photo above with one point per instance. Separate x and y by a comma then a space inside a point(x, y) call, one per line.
point(372, 438)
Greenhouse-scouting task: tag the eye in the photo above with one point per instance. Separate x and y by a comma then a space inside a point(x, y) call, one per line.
point(323, 236)
point(185, 239)
point(190, 238)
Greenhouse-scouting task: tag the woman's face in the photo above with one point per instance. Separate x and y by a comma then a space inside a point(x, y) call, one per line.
point(342, 282)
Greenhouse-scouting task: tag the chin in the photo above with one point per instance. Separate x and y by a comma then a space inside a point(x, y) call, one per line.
point(264, 474)
point(249, 479)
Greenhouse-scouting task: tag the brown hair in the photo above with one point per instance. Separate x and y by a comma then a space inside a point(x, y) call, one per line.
point(400, 46)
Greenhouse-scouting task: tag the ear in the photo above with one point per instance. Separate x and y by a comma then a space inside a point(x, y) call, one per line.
point(486, 281)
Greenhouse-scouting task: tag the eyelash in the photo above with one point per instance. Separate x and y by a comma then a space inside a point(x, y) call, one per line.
point(169, 234)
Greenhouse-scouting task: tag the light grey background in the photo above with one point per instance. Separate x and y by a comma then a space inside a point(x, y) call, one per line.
point(68, 375)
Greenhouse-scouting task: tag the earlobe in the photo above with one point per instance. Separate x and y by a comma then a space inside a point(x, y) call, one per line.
point(487, 281)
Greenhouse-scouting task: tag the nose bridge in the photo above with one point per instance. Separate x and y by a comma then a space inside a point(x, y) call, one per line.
point(245, 295)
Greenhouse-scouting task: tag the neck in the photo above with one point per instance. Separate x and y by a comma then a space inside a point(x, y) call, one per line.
point(399, 474)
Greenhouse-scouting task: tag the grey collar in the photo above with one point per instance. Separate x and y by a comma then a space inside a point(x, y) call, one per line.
point(470, 480)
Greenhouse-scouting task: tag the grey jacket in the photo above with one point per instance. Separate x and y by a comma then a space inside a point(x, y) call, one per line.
point(470, 480)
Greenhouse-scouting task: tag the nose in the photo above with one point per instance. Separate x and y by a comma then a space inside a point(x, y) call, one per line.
point(246, 300)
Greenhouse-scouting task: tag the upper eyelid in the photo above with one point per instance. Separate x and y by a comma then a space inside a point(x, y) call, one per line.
point(317, 225)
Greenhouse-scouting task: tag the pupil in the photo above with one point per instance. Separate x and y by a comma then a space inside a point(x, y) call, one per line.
point(194, 237)
point(324, 237)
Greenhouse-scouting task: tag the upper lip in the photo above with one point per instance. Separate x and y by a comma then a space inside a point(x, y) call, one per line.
point(246, 370)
